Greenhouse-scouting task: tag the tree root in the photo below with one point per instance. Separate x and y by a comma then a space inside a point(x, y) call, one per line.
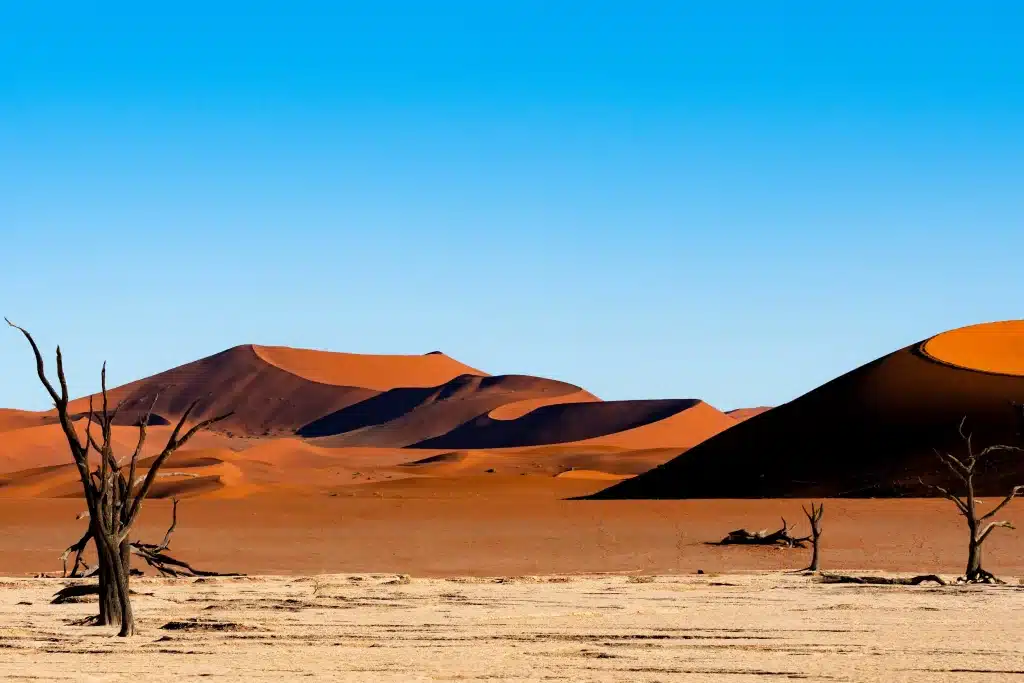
point(982, 577)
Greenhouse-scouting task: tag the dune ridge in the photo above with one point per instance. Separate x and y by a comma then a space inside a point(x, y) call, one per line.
point(369, 371)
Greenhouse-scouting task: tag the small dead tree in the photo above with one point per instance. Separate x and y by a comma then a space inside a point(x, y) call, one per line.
point(814, 517)
point(113, 496)
point(964, 469)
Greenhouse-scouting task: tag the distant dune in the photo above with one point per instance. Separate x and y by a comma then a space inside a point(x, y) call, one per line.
point(870, 432)
point(316, 422)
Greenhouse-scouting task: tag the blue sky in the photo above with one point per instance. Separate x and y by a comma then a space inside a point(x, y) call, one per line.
point(735, 201)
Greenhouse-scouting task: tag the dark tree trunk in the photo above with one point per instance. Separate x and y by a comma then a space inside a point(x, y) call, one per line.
point(973, 557)
point(124, 595)
point(814, 555)
point(114, 589)
point(110, 609)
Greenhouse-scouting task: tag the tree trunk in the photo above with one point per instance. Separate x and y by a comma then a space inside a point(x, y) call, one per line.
point(814, 555)
point(115, 598)
point(110, 609)
point(973, 557)
point(122, 565)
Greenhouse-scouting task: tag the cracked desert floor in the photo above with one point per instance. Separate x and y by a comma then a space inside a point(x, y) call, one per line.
point(381, 627)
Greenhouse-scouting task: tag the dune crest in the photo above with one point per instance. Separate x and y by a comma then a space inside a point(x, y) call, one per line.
point(369, 371)
point(997, 347)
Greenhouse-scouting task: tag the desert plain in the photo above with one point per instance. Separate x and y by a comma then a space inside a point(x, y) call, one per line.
point(413, 518)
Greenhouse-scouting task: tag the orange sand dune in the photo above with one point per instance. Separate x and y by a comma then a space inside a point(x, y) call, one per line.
point(741, 414)
point(989, 347)
point(684, 429)
point(380, 372)
point(11, 419)
point(870, 432)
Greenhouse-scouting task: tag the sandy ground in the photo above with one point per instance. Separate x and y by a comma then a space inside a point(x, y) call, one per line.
point(583, 628)
point(482, 526)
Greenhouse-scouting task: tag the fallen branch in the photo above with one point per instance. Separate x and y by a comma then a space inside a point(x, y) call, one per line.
point(883, 580)
point(781, 537)
point(75, 593)
point(153, 554)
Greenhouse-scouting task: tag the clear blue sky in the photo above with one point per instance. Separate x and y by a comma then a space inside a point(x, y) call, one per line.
point(729, 200)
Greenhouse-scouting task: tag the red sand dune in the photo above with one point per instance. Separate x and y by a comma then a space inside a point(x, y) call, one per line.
point(319, 422)
point(870, 432)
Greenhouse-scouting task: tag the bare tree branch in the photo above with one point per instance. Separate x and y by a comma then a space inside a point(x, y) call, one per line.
point(173, 443)
point(946, 494)
point(143, 426)
point(40, 366)
point(1017, 490)
point(991, 527)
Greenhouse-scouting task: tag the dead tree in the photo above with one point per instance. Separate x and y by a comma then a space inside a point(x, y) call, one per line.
point(113, 496)
point(964, 469)
point(764, 537)
point(814, 517)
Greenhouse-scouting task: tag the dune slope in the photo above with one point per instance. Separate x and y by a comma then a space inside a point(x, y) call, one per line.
point(867, 433)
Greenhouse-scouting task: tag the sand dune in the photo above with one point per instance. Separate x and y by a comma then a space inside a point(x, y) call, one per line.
point(319, 422)
point(870, 432)
point(265, 399)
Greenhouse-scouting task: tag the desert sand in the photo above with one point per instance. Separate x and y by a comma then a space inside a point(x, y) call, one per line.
point(385, 627)
point(483, 526)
